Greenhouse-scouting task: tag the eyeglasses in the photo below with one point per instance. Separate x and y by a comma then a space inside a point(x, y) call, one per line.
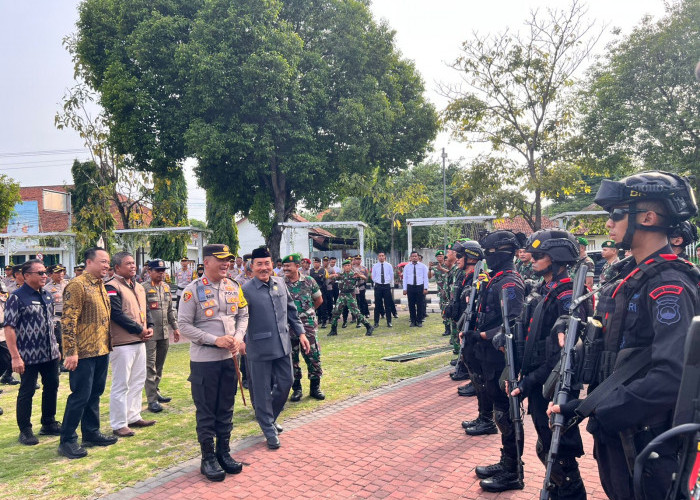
point(537, 255)
point(40, 273)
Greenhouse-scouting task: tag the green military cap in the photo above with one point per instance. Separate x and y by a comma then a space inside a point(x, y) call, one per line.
point(582, 241)
point(439, 252)
point(608, 244)
point(347, 261)
point(292, 258)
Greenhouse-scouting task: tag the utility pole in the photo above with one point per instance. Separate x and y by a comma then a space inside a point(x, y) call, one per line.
point(444, 199)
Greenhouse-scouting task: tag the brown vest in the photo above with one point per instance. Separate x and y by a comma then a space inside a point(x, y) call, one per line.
point(133, 305)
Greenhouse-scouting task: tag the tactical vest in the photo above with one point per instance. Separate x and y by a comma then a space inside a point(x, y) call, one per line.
point(613, 308)
point(487, 321)
point(535, 351)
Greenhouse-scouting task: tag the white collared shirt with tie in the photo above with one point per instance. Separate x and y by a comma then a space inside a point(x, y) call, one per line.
point(377, 273)
point(415, 274)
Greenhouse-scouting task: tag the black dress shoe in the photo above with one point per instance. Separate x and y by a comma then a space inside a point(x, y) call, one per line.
point(72, 450)
point(345, 324)
point(467, 390)
point(52, 429)
point(245, 383)
point(9, 381)
point(396, 316)
point(453, 362)
point(279, 428)
point(376, 325)
point(420, 324)
point(155, 407)
point(412, 324)
point(482, 428)
point(164, 399)
point(273, 442)
point(99, 439)
point(28, 438)
point(389, 324)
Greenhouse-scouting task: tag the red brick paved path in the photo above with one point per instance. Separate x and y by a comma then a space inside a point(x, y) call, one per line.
point(404, 441)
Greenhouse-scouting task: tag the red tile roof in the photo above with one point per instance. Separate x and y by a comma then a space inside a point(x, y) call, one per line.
point(519, 225)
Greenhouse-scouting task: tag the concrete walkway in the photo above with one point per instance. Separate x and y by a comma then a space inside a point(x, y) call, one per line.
point(401, 441)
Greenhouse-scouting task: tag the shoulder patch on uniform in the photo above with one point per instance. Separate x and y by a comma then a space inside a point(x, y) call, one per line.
point(668, 310)
point(187, 296)
point(112, 293)
point(242, 302)
point(665, 290)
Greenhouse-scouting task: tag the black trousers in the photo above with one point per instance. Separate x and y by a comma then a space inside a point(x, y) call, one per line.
point(382, 302)
point(58, 332)
point(214, 385)
point(5, 358)
point(416, 300)
point(501, 414)
point(362, 302)
point(87, 383)
point(49, 393)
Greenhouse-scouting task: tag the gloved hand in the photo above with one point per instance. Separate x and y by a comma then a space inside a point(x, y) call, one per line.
point(499, 340)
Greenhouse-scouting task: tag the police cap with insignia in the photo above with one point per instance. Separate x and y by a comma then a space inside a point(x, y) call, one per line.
point(358, 256)
point(17, 268)
point(607, 244)
point(260, 253)
point(317, 259)
point(293, 258)
point(156, 265)
point(325, 259)
point(185, 259)
point(200, 267)
point(219, 251)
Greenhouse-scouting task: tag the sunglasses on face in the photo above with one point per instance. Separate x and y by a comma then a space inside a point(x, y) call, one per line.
point(537, 255)
point(40, 273)
point(617, 214)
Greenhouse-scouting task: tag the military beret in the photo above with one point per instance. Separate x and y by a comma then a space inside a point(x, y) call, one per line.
point(219, 251)
point(608, 244)
point(292, 258)
point(582, 241)
point(347, 261)
point(306, 260)
point(157, 264)
point(439, 252)
point(260, 253)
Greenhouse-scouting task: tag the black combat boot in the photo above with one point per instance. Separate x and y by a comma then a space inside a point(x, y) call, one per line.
point(223, 456)
point(467, 390)
point(483, 427)
point(471, 423)
point(323, 324)
point(210, 466)
point(315, 390)
point(334, 330)
point(296, 391)
point(508, 479)
point(345, 323)
point(370, 329)
point(485, 471)
point(358, 323)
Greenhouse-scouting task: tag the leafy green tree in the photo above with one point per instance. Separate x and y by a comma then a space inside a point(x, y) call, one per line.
point(221, 220)
point(169, 210)
point(640, 104)
point(515, 102)
point(90, 199)
point(9, 196)
point(276, 100)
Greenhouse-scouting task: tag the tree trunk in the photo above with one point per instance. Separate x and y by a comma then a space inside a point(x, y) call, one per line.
point(281, 209)
point(393, 256)
point(538, 210)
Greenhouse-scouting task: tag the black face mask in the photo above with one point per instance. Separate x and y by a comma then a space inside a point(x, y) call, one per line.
point(497, 260)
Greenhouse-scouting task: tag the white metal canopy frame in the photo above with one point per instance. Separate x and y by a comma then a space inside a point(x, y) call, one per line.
point(439, 221)
point(359, 225)
point(124, 234)
point(65, 238)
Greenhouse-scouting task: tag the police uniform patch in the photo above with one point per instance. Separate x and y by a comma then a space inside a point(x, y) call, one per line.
point(668, 310)
point(209, 313)
point(233, 308)
point(187, 296)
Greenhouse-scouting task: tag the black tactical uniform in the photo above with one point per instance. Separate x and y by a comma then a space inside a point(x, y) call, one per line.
point(645, 318)
point(549, 301)
point(499, 248)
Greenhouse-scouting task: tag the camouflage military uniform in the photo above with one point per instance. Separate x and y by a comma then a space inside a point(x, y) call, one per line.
point(525, 270)
point(449, 288)
point(304, 291)
point(457, 276)
point(347, 282)
point(441, 280)
point(607, 272)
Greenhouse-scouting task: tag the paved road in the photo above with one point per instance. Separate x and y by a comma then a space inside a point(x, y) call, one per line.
point(401, 441)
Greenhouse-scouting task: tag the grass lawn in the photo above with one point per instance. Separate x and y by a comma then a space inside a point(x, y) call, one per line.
point(352, 365)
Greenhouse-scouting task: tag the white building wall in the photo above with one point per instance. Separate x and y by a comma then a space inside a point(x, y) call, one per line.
point(250, 237)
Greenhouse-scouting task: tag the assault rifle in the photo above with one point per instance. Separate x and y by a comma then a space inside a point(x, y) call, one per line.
point(566, 374)
point(516, 410)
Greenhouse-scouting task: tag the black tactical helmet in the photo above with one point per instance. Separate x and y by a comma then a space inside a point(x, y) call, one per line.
point(472, 250)
point(672, 190)
point(686, 230)
point(501, 238)
point(561, 246)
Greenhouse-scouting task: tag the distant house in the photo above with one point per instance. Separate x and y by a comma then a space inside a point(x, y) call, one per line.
point(47, 209)
point(519, 225)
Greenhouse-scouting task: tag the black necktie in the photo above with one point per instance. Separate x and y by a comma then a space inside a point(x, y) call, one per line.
point(382, 265)
point(415, 275)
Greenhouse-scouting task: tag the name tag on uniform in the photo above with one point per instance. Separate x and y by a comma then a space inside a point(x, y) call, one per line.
point(143, 315)
point(36, 302)
point(231, 300)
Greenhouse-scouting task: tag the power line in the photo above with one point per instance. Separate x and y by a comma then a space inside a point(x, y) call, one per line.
point(43, 153)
